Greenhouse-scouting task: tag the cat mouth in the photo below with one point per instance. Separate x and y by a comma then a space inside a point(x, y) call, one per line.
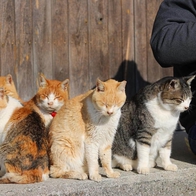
point(51, 109)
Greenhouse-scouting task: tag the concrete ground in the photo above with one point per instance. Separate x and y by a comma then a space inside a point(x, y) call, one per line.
point(157, 183)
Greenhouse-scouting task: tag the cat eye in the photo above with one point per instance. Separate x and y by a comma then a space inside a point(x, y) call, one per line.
point(58, 97)
point(179, 100)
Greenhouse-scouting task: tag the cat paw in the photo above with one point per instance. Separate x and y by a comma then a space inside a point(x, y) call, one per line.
point(82, 176)
point(113, 175)
point(95, 177)
point(171, 167)
point(126, 167)
point(152, 164)
point(143, 170)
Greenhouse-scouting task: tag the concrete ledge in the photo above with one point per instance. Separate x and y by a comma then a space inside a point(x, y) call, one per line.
point(157, 183)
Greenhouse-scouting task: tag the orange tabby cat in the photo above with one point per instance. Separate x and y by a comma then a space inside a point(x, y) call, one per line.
point(24, 152)
point(84, 129)
point(7, 83)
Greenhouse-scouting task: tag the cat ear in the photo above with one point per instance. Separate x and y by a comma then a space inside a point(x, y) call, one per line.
point(122, 85)
point(9, 79)
point(173, 84)
point(189, 79)
point(65, 84)
point(100, 85)
point(42, 82)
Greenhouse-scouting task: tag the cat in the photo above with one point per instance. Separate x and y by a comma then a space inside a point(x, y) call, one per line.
point(24, 151)
point(8, 105)
point(7, 83)
point(147, 124)
point(83, 131)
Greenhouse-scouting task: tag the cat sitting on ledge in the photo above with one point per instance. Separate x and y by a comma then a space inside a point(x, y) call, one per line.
point(83, 131)
point(147, 124)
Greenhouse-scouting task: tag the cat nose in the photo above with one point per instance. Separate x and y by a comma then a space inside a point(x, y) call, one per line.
point(109, 112)
point(186, 107)
point(50, 103)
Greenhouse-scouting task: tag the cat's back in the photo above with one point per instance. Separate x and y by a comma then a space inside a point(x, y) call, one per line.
point(73, 106)
point(69, 118)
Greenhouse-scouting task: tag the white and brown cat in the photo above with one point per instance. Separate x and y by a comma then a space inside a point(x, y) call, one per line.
point(83, 131)
point(24, 149)
point(147, 125)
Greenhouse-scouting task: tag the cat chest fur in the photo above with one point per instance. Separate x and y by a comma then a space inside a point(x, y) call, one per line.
point(101, 128)
point(164, 119)
point(104, 129)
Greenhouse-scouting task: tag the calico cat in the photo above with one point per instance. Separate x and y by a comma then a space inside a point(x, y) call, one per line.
point(24, 151)
point(84, 129)
point(147, 124)
point(7, 83)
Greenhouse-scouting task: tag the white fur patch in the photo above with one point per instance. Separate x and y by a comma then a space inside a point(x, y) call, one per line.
point(132, 143)
point(45, 177)
point(104, 126)
point(163, 113)
point(5, 115)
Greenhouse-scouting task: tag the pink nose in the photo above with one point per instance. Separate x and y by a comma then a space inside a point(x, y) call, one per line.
point(110, 113)
point(186, 108)
point(50, 103)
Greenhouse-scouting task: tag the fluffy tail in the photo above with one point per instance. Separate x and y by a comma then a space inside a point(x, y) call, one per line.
point(15, 178)
point(124, 163)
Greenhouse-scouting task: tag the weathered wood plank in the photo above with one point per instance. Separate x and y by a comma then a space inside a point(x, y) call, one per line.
point(78, 47)
point(98, 37)
point(24, 41)
point(60, 34)
point(128, 65)
point(8, 46)
point(115, 39)
point(42, 47)
point(140, 43)
point(79, 40)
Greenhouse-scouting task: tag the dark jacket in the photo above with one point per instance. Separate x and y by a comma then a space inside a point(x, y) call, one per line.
point(173, 44)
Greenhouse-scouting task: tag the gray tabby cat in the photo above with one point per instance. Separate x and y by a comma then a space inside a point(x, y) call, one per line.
point(147, 125)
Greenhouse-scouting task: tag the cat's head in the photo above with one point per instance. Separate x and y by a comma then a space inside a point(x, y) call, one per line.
point(108, 97)
point(7, 83)
point(176, 93)
point(52, 94)
point(3, 99)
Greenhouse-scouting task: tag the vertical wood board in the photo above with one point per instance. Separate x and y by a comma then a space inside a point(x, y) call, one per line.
point(78, 47)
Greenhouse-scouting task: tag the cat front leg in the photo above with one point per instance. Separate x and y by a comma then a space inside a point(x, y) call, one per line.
point(105, 156)
point(143, 151)
point(153, 156)
point(92, 161)
point(165, 157)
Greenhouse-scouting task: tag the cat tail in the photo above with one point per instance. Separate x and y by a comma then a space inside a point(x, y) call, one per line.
point(15, 174)
point(124, 163)
point(32, 176)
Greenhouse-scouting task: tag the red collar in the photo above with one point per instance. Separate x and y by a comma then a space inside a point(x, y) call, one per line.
point(53, 114)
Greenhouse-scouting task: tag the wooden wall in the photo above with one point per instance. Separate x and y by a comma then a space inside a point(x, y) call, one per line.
point(80, 40)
